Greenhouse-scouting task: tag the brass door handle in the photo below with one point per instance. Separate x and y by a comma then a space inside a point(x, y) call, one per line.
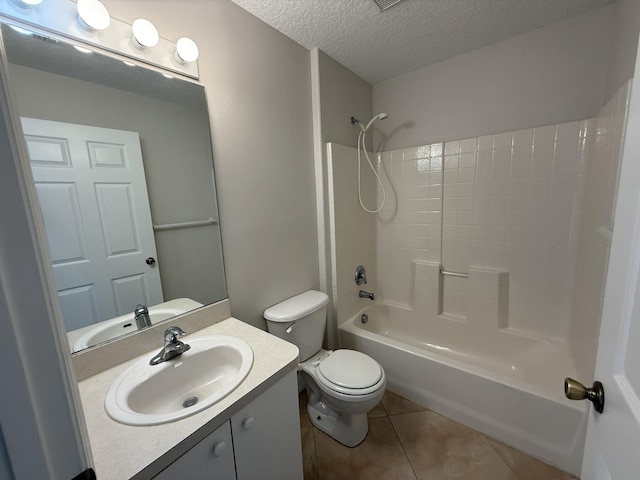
point(574, 390)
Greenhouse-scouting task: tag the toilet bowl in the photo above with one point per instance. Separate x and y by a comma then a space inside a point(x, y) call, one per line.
point(342, 385)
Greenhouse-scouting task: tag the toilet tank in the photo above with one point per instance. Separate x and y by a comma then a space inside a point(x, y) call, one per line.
point(300, 320)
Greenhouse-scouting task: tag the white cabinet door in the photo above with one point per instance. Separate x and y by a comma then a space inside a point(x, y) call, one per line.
point(212, 458)
point(93, 197)
point(266, 434)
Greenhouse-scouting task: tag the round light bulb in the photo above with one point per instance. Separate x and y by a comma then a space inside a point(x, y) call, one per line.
point(93, 15)
point(145, 34)
point(27, 3)
point(186, 50)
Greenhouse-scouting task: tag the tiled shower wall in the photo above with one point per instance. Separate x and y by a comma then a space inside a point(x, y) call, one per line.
point(510, 202)
point(596, 227)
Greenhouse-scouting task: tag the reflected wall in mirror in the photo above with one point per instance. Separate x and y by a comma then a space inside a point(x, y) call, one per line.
point(122, 161)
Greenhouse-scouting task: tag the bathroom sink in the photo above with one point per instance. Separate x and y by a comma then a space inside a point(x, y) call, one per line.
point(115, 327)
point(153, 394)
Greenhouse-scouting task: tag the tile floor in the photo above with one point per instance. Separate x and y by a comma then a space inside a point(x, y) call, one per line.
point(407, 441)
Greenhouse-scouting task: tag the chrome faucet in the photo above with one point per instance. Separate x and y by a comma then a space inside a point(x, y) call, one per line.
point(172, 346)
point(369, 295)
point(141, 314)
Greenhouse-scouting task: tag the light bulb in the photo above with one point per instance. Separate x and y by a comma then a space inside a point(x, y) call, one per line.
point(186, 50)
point(145, 34)
point(93, 15)
point(27, 3)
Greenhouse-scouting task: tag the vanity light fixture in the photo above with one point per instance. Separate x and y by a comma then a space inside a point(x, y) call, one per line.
point(186, 50)
point(27, 3)
point(92, 15)
point(89, 22)
point(145, 34)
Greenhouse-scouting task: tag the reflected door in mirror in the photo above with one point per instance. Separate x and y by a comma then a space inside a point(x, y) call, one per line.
point(92, 190)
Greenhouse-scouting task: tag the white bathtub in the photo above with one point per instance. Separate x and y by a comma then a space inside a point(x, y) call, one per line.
point(506, 385)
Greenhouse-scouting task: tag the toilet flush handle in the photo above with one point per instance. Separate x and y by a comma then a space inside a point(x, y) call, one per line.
point(289, 329)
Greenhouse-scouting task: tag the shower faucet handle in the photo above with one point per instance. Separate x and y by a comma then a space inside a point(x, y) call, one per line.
point(360, 275)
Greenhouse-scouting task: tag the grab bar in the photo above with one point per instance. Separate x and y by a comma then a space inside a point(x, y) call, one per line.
point(175, 226)
point(453, 274)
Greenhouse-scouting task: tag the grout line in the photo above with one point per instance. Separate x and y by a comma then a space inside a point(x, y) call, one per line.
point(499, 455)
point(403, 449)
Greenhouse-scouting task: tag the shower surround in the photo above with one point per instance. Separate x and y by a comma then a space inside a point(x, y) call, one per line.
point(526, 214)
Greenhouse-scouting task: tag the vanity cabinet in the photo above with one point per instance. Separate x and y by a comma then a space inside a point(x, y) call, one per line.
point(211, 458)
point(266, 434)
point(261, 441)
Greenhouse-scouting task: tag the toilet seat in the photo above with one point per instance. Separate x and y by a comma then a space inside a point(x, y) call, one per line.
point(350, 372)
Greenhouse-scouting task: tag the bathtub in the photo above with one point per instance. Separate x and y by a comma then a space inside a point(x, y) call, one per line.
point(506, 385)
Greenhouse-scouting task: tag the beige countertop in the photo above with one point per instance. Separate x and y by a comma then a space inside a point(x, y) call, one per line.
point(124, 451)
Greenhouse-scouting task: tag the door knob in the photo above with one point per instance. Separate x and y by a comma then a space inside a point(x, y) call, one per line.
point(150, 261)
point(574, 390)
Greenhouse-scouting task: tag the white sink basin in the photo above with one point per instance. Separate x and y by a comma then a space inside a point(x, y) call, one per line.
point(153, 394)
point(115, 327)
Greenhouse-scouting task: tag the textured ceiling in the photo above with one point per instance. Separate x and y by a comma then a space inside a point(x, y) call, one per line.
point(414, 33)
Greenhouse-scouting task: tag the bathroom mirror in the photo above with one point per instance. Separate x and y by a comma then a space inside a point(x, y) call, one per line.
point(122, 161)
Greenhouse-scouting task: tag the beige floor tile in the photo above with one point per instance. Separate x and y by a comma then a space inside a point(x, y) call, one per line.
point(309, 463)
point(377, 411)
point(395, 404)
point(302, 405)
point(379, 456)
point(526, 467)
point(441, 449)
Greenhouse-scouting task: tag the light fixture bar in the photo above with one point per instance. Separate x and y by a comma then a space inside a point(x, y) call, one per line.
point(60, 17)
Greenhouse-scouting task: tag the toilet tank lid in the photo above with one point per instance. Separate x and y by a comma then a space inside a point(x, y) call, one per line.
point(297, 307)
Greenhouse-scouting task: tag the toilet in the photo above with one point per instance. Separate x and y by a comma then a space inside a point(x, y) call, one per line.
point(342, 385)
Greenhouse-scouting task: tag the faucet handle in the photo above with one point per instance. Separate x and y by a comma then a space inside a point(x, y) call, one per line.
point(171, 334)
point(360, 275)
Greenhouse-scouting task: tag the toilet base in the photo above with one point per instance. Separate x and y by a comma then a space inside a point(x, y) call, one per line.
point(348, 429)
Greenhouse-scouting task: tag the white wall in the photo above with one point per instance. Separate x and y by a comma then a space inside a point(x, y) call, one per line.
point(593, 239)
point(624, 44)
point(551, 75)
point(259, 94)
point(352, 230)
point(339, 94)
point(343, 94)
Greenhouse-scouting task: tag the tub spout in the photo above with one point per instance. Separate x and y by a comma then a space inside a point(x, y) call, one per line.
point(369, 295)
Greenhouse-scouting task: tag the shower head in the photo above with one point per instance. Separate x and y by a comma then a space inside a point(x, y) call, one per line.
point(380, 116)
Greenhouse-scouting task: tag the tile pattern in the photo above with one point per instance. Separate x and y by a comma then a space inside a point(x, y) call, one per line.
point(506, 201)
point(596, 226)
point(406, 441)
point(536, 203)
